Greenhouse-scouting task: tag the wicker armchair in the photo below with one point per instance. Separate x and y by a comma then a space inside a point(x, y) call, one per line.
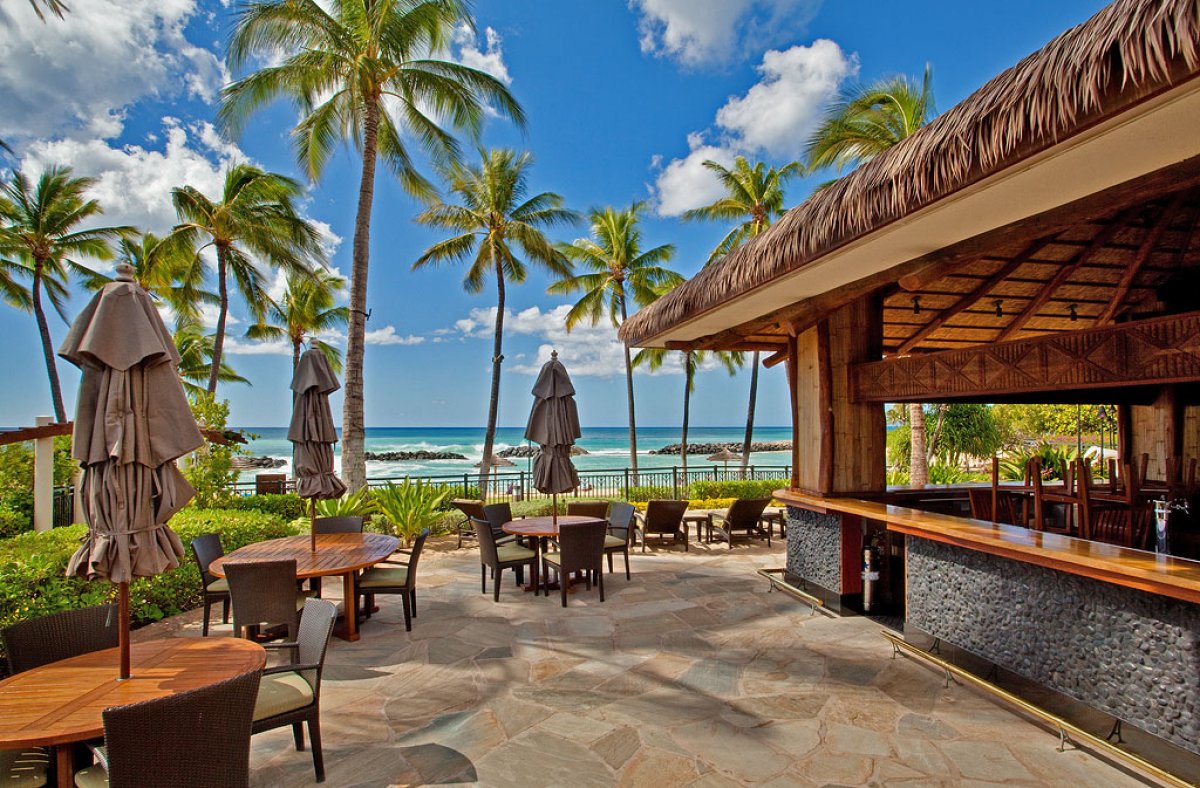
point(40, 641)
point(588, 509)
point(199, 738)
point(497, 514)
point(499, 557)
point(291, 694)
point(264, 592)
point(340, 525)
point(207, 548)
point(664, 519)
point(620, 533)
point(394, 578)
point(744, 516)
point(580, 549)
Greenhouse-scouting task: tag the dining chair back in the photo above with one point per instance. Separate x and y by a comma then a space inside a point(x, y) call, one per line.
point(39, 641)
point(664, 518)
point(207, 548)
point(499, 557)
point(263, 592)
point(395, 578)
point(469, 508)
point(620, 532)
point(347, 524)
point(270, 484)
point(1125, 519)
point(580, 549)
point(497, 514)
point(597, 509)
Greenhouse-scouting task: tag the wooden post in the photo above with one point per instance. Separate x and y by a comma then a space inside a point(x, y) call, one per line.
point(793, 386)
point(123, 628)
point(43, 479)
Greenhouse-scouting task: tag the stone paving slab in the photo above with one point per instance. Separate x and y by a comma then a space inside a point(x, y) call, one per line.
point(690, 674)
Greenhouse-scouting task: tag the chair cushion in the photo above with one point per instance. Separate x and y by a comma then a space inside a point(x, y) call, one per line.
point(281, 692)
point(21, 768)
point(384, 577)
point(220, 584)
point(512, 552)
point(611, 541)
point(91, 777)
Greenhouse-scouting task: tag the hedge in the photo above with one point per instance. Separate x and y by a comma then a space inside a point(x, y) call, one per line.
point(13, 523)
point(33, 566)
point(287, 506)
point(736, 488)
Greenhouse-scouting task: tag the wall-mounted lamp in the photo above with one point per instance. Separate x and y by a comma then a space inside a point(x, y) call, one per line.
point(1074, 311)
point(999, 307)
point(916, 305)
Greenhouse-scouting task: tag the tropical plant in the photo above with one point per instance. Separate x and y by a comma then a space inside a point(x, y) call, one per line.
point(654, 358)
point(866, 121)
point(210, 468)
point(195, 346)
point(254, 221)
point(1054, 461)
point(410, 507)
point(363, 72)
point(355, 503)
point(753, 198)
point(616, 269)
point(306, 308)
point(493, 221)
point(40, 240)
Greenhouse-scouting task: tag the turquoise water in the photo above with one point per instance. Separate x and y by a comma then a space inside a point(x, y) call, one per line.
point(608, 447)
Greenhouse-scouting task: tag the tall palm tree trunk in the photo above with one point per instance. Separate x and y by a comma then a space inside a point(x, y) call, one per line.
point(633, 462)
point(918, 465)
point(489, 437)
point(746, 443)
point(60, 412)
point(214, 373)
point(354, 465)
point(687, 403)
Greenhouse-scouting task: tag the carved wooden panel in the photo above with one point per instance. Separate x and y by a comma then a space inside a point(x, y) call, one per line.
point(1161, 350)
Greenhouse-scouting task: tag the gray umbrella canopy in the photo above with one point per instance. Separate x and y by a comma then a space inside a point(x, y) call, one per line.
point(132, 421)
point(724, 455)
point(311, 431)
point(554, 425)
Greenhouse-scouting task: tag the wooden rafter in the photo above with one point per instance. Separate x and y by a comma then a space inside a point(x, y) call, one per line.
point(776, 358)
point(1072, 265)
point(975, 296)
point(1135, 265)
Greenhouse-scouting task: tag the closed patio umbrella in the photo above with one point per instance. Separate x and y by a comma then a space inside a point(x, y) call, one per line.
point(132, 421)
point(554, 425)
point(312, 433)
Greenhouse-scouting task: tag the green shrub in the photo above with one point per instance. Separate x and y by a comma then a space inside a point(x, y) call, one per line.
point(410, 507)
point(650, 492)
point(352, 504)
point(736, 488)
point(288, 506)
point(16, 473)
point(210, 468)
point(13, 523)
point(33, 566)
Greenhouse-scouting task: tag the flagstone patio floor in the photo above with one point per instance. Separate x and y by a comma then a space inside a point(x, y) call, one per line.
point(689, 674)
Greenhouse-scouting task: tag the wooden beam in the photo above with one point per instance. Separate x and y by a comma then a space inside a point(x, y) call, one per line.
point(978, 294)
point(1072, 265)
point(1143, 253)
point(1143, 353)
point(686, 347)
point(66, 427)
point(793, 377)
point(825, 408)
point(777, 358)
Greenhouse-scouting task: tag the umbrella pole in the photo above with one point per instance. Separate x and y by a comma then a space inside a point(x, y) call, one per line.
point(312, 522)
point(554, 509)
point(123, 627)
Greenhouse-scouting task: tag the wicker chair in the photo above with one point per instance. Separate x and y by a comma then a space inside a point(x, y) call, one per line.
point(499, 557)
point(199, 738)
point(395, 578)
point(264, 592)
point(40, 641)
point(207, 548)
point(340, 525)
point(620, 533)
point(597, 509)
point(580, 549)
point(497, 514)
point(744, 516)
point(291, 694)
point(469, 509)
point(664, 519)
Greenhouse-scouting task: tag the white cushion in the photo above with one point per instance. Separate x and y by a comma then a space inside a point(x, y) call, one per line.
point(220, 584)
point(281, 692)
point(512, 552)
point(613, 541)
point(21, 768)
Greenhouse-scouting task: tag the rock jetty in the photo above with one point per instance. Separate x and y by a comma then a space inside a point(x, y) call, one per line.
point(399, 456)
point(258, 462)
point(532, 451)
point(713, 448)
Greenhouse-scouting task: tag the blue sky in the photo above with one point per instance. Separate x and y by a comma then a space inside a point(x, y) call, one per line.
point(624, 100)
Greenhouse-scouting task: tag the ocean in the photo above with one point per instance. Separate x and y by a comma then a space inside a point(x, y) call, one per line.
point(607, 447)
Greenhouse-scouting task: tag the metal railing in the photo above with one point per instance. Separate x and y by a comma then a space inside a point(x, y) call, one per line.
point(624, 483)
point(64, 506)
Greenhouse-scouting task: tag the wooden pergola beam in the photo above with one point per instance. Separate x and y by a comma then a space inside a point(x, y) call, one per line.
point(776, 358)
point(975, 296)
point(66, 427)
point(1135, 265)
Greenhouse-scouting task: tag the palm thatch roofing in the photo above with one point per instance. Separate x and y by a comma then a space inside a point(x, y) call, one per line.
point(1129, 51)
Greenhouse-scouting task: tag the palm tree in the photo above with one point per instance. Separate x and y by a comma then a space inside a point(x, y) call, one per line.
point(361, 71)
point(616, 268)
point(655, 357)
point(754, 199)
point(494, 220)
point(56, 7)
point(254, 217)
point(170, 277)
point(307, 308)
point(864, 123)
point(195, 352)
point(40, 239)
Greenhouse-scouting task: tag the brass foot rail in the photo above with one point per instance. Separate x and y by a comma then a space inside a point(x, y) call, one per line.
point(1068, 733)
point(777, 581)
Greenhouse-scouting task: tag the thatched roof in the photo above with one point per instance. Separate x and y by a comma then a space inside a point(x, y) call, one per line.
point(1130, 50)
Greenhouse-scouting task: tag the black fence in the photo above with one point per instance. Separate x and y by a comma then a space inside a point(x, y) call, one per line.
point(644, 484)
point(64, 506)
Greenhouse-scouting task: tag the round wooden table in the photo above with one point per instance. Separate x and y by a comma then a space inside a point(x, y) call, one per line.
point(61, 703)
point(336, 554)
point(539, 529)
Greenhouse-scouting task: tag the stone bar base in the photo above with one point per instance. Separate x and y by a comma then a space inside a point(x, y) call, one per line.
point(1129, 653)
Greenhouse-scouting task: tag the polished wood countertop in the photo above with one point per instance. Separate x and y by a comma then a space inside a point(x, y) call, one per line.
point(1178, 578)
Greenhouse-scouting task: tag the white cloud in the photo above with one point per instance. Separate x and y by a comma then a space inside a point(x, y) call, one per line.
point(773, 118)
point(388, 336)
point(488, 59)
point(237, 346)
point(76, 76)
point(698, 32)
